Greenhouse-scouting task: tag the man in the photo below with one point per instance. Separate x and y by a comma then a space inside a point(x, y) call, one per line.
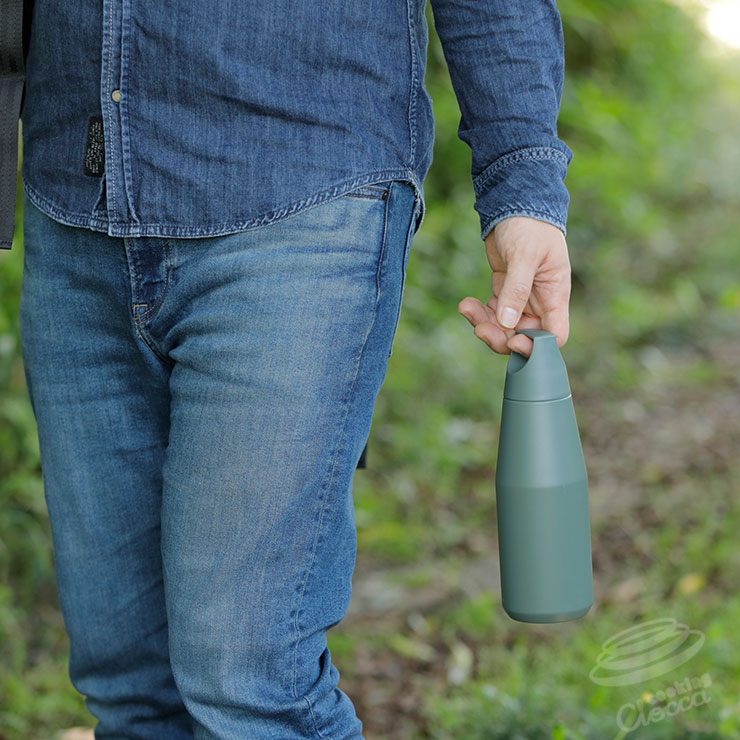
point(220, 201)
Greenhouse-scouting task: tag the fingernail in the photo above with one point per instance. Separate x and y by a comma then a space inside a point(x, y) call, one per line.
point(508, 318)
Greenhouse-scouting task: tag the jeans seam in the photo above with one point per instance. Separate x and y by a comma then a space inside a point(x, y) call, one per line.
point(383, 245)
point(410, 233)
point(369, 196)
point(373, 191)
point(313, 717)
point(332, 470)
point(168, 362)
point(133, 276)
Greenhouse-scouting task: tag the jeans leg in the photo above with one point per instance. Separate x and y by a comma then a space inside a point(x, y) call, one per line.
point(101, 404)
point(280, 338)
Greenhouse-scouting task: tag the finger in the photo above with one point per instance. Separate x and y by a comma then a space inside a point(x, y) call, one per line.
point(556, 319)
point(473, 310)
point(520, 342)
point(515, 291)
point(557, 322)
point(486, 327)
point(483, 319)
point(493, 335)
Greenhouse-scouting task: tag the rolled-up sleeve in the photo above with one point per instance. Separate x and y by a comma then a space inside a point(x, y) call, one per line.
point(506, 63)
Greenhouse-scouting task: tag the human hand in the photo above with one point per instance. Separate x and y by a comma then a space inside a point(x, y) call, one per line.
point(530, 285)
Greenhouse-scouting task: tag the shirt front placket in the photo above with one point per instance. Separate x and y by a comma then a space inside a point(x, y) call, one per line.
point(114, 107)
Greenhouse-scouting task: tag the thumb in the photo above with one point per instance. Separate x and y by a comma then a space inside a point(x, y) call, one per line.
point(515, 291)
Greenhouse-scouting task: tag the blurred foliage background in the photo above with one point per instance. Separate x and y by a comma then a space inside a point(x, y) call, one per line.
point(651, 109)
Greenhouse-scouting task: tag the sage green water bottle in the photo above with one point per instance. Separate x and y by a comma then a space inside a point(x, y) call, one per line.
point(542, 491)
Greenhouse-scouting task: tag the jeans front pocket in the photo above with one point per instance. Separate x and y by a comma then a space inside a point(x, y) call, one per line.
point(379, 191)
point(409, 233)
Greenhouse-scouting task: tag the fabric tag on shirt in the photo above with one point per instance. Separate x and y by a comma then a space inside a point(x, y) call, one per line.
point(94, 162)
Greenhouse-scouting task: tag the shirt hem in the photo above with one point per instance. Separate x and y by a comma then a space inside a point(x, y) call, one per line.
point(126, 230)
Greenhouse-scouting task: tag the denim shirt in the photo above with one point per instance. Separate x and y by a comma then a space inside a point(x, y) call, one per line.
point(186, 119)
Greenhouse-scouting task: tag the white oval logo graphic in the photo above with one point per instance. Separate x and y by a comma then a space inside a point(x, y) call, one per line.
point(645, 651)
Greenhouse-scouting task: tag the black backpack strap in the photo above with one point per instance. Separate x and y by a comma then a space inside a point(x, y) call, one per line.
point(15, 33)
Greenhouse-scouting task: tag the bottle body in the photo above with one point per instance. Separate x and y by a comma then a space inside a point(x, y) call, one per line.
point(542, 512)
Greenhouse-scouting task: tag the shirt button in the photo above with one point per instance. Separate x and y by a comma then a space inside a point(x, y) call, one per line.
point(116, 95)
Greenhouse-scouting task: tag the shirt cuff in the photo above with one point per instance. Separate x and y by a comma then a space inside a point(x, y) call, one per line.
point(525, 182)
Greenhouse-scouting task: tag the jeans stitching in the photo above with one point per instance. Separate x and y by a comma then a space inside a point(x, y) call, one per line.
point(369, 196)
point(168, 362)
point(410, 233)
point(134, 277)
point(313, 716)
point(373, 192)
point(332, 470)
point(333, 467)
point(383, 245)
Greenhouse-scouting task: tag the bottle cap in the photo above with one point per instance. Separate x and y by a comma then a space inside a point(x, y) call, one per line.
point(540, 377)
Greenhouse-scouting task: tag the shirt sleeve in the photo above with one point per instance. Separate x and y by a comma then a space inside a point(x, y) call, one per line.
point(506, 62)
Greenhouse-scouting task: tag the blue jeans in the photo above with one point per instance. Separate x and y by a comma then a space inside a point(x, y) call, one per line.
point(201, 406)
